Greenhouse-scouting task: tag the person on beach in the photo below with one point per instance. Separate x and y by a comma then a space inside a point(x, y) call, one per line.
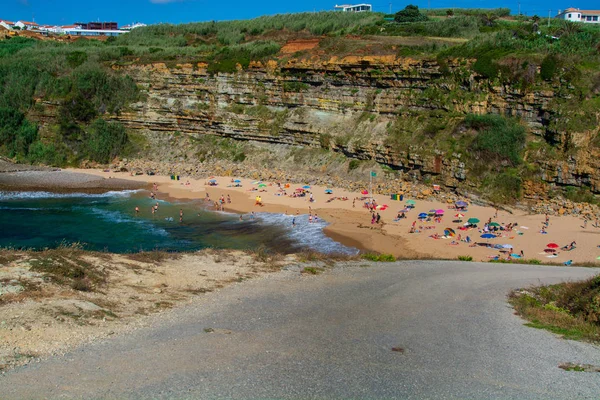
point(584, 223)
point(354, 203)
point(241, 219)
point(180, 215)
point(316, 218)
point(378, 218)
point(228, 199)
point(153, 210)
point(310, 219)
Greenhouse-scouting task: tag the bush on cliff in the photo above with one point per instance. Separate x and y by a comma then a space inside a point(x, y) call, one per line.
point(16, 133)
point(497, 138)
point(105, 140)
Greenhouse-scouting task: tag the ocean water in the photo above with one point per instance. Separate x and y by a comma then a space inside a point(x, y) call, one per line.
point(108, 222)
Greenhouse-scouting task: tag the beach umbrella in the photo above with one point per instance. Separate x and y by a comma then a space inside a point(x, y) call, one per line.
point(364, 192)
point(473, 220)
point(423, 215)
point(439, 212)
point(256, 182)
point(412, 202)
point(262, 185)
point(328, 191)
point(461, 203)
point(459, 215)
point(449, 232)
point(493, 224)
point(237, 181)
point(552, 246)
point(212, 180)
point(306, 187)
point(488, 236)
point(507, 246)
point(299, 190)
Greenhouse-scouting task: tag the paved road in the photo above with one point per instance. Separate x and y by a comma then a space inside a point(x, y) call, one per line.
point(330, 336)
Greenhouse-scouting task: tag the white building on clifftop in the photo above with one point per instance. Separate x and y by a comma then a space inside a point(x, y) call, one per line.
point(577, 15)
point(354, 7)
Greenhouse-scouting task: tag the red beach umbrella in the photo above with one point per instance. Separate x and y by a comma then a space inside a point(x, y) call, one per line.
point(552, 246)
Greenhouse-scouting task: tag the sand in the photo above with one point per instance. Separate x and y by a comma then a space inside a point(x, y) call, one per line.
point(351, 225)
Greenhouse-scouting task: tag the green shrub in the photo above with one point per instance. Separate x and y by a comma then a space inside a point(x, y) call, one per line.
point(105, 140)
point(295, 87)
point(465, 258)
point(16, 133)
point(549, 67)
point(486, 67)
point(498, 136)
point(410, 14)
point(353, 164)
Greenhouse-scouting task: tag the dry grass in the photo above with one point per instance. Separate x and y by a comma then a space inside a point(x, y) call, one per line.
point(153, 256)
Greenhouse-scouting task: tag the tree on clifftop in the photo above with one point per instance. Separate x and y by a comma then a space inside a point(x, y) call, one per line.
point(410, 14)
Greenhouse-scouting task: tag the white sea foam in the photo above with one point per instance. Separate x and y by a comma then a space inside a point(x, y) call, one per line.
point(49, 195)
point(305, 233)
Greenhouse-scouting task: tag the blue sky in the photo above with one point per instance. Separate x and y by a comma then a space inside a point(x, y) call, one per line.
point(178, 11)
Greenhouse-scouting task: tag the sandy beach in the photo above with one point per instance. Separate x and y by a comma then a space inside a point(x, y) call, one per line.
point(350, 222)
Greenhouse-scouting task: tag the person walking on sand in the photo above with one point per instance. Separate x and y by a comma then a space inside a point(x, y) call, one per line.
point(378, 218)
point(228, 199)
point(584, 223)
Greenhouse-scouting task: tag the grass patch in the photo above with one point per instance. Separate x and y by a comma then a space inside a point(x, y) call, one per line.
point(312, 270)
point(526, 261)
point(379, 257)
point(570, 309)
point(465, 258)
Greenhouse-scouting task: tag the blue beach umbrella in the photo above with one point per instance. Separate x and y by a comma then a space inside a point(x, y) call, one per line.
point(461, 203)
point(328, 191)
point(423, 215)
point(488, 236)
point(213, 180)
point(237, 181)
point(306, 187)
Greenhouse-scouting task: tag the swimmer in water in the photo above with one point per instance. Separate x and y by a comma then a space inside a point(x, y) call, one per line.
point(137, 210)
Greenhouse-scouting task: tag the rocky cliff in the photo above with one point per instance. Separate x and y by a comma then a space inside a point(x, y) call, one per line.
point(368, 108)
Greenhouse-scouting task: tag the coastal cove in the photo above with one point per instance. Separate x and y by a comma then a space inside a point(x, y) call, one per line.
point(350, 223)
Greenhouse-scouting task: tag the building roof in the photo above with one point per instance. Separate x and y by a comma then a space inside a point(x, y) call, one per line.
point(7, 22)
point(29, 23)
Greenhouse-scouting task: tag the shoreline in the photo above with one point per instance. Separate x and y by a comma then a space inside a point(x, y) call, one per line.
point(351, 224)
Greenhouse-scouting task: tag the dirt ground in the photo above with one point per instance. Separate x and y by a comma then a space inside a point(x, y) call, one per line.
point(53, 300)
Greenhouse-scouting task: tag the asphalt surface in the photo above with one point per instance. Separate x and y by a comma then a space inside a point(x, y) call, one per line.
point(330, 336)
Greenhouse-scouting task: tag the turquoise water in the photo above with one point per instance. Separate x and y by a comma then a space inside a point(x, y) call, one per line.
point(109, 222)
